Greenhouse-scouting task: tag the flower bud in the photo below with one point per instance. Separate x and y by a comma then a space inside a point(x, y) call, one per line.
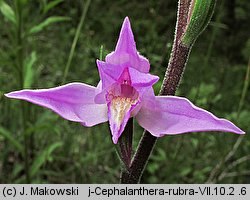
point(200, 13)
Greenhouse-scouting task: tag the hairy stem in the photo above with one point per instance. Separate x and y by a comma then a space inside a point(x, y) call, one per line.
point(176, 65)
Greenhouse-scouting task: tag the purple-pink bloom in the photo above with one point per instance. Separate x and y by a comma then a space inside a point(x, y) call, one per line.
point(124, 91)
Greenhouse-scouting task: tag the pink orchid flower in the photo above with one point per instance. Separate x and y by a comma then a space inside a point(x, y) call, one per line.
point(124, 91)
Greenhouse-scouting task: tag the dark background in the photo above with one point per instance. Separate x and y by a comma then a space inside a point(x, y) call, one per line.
point(58, 151)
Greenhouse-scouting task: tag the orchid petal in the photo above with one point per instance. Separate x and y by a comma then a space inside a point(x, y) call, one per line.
point(119, 112)
point(139, 79)
point(125, 50)
point(109, 73)
point(74, 102)
point(126, 41)
point(100, 94)
point(175, 115)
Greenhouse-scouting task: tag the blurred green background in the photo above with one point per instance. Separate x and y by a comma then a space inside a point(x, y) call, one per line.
point(38, 146)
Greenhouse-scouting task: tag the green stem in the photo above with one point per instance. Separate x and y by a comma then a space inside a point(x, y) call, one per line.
point(20, 61)
point(73, 46)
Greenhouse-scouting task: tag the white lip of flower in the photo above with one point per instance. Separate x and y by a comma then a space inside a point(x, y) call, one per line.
point(119, 107)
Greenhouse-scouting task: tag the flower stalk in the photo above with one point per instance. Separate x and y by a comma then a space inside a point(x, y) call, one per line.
point(20, 61)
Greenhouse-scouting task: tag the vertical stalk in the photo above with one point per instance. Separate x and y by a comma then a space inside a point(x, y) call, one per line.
point(73, 45)
point(20, 60)
point(176, 65)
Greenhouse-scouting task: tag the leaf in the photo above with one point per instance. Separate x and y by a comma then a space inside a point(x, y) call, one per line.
point(16, 170)
point(1, 94)
point(47, 22)
point(28, 70)
point(185, 171)
point(8, 135)
point(160, 155)
point(7, 11)
point(101, 53)
point(153, 167)
point(20, 180)
point(194, 142)
point(51, 5)
point(43, 157)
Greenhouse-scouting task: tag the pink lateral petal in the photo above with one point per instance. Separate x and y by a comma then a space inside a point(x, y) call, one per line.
point(140, 79)
point(74, 102)
point(175, 115)
point(109, 73)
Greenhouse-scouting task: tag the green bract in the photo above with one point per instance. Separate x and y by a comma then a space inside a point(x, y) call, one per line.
point(200, 14)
